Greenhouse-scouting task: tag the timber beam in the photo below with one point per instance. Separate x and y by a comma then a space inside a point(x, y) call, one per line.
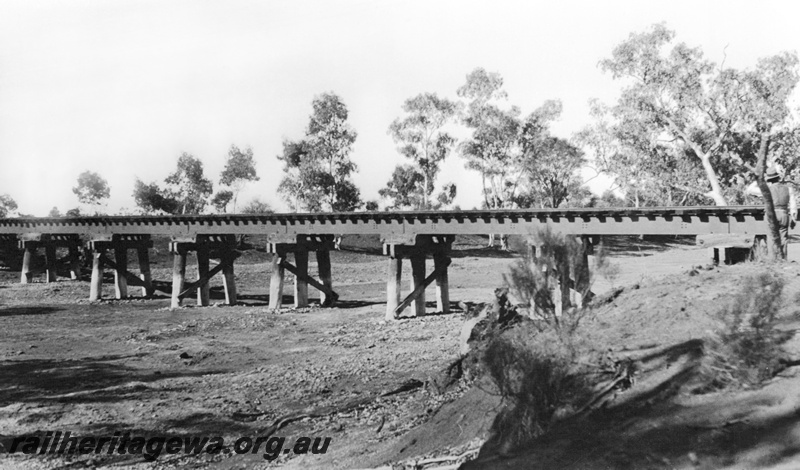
point(437, 246)
point(205, 247)
point(300, 246)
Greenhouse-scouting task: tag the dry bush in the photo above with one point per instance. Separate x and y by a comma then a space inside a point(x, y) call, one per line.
point(538, 374)
point(537, 282)
point(748, 348)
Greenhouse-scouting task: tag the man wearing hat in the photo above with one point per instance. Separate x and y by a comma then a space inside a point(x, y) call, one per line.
point(784, 201)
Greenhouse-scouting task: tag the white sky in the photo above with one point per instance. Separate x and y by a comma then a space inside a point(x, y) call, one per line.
point(123, 87)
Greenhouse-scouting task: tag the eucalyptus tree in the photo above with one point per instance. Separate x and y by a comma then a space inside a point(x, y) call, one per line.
point(715, 126)
point(493, 148)
point(317, 168)
point(91, 189)
point(422, 138)
point(240, 168)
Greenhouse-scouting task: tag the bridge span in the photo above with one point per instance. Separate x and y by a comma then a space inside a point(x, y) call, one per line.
point(412, 235)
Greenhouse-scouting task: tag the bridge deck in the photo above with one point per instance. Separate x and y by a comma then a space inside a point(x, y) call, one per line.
point(401, 226)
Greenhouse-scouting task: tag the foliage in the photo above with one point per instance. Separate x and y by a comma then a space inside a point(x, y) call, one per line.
point(256, 206)
point(239, 169)
point(520, 162)
point(91, 189)
point(404, 190)
point(371, 206)
point(555, 179)
point(221, 199)
point(188, 185)
point(493, 149)
point(152, 199)
point(540, 374)
point(749, 347)
point(317, 168)
point(535, 281)
point(54, 212)
point(7, 205)
point(422, 138)
point(684, 130)
point(75, 212)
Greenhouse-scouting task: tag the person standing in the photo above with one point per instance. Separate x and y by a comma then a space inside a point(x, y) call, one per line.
point(785, 203)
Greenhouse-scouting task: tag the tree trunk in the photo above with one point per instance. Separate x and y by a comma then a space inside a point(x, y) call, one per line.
point(774, 234)
point(711, 175)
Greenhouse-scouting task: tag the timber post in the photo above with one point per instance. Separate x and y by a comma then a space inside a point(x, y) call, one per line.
point(179, 252)
point(203, 267)
point(74, 261)
point(300, 246)
point(26, 275)
point(120, 271)
point(418, 282)
point(227, 256)
point(324, 270)
point(276, 281)
point(51, 262)
point(96, 282)
point(393, 288)
point(300, 283)
point(416, 249)
point(143, 256)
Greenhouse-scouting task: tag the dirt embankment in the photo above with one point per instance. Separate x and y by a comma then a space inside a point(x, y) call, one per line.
point(134, 365)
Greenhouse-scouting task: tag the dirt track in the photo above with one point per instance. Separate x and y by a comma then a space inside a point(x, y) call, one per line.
point(134, 365)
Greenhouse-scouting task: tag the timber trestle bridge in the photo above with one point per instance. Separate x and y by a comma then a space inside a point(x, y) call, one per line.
point(411, 235)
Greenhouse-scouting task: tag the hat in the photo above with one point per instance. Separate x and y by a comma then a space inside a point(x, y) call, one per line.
point(772, 174)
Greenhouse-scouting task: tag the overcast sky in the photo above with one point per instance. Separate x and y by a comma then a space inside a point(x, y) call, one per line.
point(122, 88)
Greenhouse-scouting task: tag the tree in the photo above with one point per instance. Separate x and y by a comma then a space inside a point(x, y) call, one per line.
point(221, 200)
point(554, 178)
point(256, 206)
point(318, 167)
point(239, 169)
point(404, 190)
point(91, 189)
point(494, 147)
point(153, 199)
point(54, 212)
point(422, 139)
point(371, 206)
point(713, 127)
point(7, 205)
point(189, 185)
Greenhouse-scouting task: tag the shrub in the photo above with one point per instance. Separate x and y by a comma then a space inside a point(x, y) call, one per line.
point(538, 374)
point(559, 275)
point(749, 346)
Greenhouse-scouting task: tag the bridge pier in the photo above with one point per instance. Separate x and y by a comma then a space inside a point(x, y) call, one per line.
point(205, 247)
point(31, 242)
point(438, 246)
point(120, 244)
point(300, 246)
